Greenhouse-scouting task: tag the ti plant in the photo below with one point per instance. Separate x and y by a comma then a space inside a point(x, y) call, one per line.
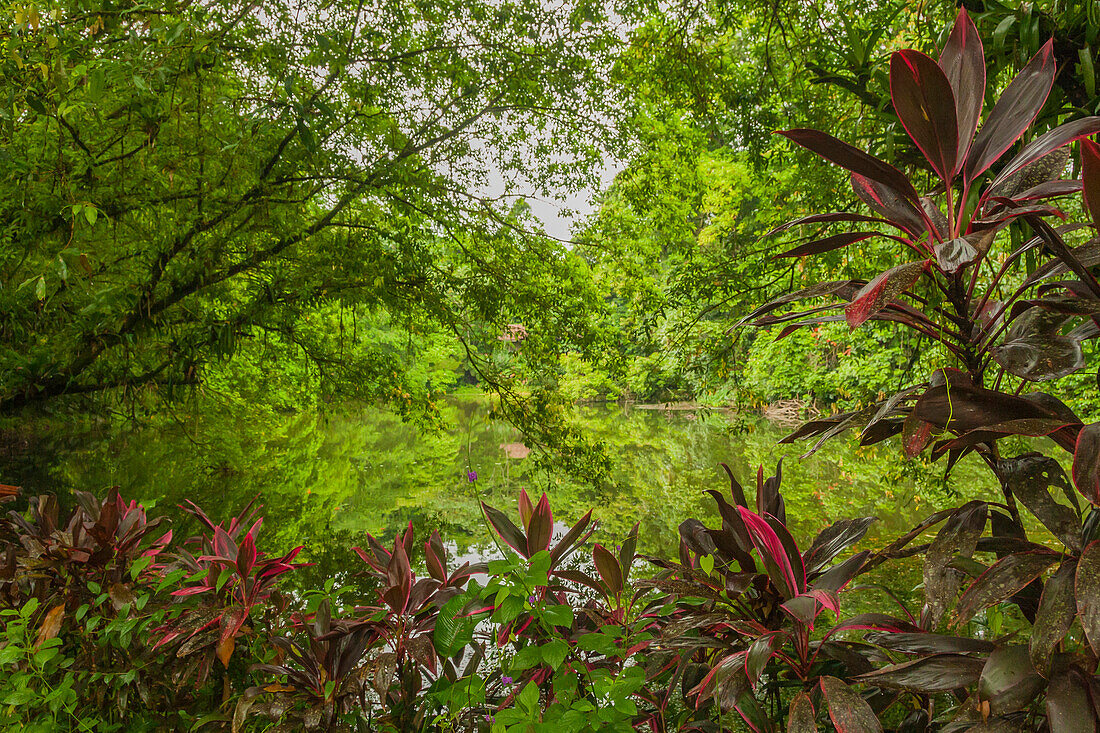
point(98, 542)
point(961, 288)
point(739, 634)
point(1008, 317)
point(233, 577)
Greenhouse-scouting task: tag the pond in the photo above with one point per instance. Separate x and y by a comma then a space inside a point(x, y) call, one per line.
point(327, 479)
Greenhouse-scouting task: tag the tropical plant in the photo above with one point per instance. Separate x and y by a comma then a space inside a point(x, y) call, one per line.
point(738, 635)
point(233, 577)
point(1005, 322)
point(989, 328)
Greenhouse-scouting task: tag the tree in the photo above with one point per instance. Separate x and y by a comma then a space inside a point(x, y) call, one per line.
point(179, 178)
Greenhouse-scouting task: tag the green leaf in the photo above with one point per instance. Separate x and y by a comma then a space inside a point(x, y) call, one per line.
point(452, 631)
point(554, 653)
point(561, 615)
point(527, 657)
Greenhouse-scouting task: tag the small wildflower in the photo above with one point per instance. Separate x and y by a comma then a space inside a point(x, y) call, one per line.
point(506, 680)
point(471, 476)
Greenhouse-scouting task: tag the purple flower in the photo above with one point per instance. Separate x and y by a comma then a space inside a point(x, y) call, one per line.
point(471, 476)
point(506, 680)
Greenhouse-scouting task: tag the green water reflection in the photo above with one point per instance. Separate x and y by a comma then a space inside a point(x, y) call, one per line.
point(327, 479)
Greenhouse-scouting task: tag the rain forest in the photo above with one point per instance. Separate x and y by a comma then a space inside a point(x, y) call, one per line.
point(550, 366)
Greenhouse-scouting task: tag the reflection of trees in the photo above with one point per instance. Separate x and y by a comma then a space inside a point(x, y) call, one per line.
point(325, 481)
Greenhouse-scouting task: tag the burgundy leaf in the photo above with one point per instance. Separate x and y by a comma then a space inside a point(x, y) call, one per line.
point(1013, 113)
point(571, 538)
point(1008, 682)
point(828, 217)
point(877, 294)
point(1086, 462)
point(875, 622)
point(1028, 477)
point(848, 711)
point(1057, 609)
point(916, 434)
point(1046, 143)
point(937, 673)
point(800, 719)
point(435, 557)
point(838, 288)
point(246, 555)
point(1068, 703)
point(924, 643)
point(1090, 178)
point(608, 568)
point(1001, 581)
point(224, 546)
point(886, 201)
point(541, 527)
point(773, 554)
point(962, 408)
point(758, 656)
point(1087, 590)
point(512, 535)
point(839, 575)
point(526, 509)
point(1035, 349)
point(827, 244)
point(958, 536)
point(833, 540)
point(627, 552)
point(963, 61)
point(925, 104)
point(854, 160)
point(400, 577)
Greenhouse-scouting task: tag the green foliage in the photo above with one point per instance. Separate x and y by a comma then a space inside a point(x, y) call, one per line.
point(181, 184)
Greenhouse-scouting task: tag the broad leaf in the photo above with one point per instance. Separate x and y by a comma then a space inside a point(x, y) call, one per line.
point(1068, 703)
point(833, 540)
point(963, 61)
point(958, 536)
point(541, 528)
point(607, 565)
point(1046, 143)
point(827, 244)
point(1035, 349)
point(848, 711)
point(887, 202)
point(1005, 578)
point(1008, 682)
point(801, 717)
point(1090, 178)
point(877, 294)
point(509, 532)
point(937, 673)
point(1057, 609)
point(774, 555)
point(923, 643)
point(1087, 590)
point(855, 160)
point(1013, 113)
point(925, 104)
point(1086, 462)
point(1029, 477)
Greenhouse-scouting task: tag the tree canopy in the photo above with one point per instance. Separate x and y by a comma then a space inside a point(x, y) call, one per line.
point(181, 179)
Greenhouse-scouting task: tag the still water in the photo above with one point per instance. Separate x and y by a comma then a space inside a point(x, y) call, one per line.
point(327, 479)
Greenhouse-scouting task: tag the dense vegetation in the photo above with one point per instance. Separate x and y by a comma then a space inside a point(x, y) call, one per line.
point(284, 203)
